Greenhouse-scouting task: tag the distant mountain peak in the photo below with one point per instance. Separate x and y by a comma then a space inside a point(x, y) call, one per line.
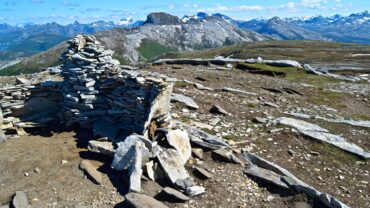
point(161, 18)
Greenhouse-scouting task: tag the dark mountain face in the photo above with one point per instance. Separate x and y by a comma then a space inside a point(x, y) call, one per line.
point(161, 18)
point(353, 28)
point(279, 29)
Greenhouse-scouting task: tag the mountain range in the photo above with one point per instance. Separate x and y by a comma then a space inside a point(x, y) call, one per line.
point(187, 33)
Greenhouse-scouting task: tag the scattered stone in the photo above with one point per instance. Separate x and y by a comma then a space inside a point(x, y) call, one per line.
point(143, 201)
point(195, 190)
point(102, 147)
point(89, 168)
point(135, 169)
point(270, 104)
point(20, 200)
point(189, 102)
point(202, 173)
point(225, 155)
point(260, 120)
point(22, 81)
point(172, 165)
point(125, 152)
point(175, 195)
point(149, 169)
point(179, 140)
point(37, 170)
point(216, 109)
point(197, 152)
point(299, 125)
point(64, 162)
point(228, 89)
point(266, 175)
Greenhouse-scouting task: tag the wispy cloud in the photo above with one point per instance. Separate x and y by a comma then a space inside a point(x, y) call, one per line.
point(68, 3)
point(36, 1)
point(10, 3)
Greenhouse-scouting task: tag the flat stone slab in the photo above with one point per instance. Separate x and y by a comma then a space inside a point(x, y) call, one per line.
point(143, 201)
point(273, 173)
point(175, 195)
point(198, 136)
point(299, 124)
point(188, 101)
point(105, 148)
point(89, 168)
point(172, 165)
point(229, 89)
point(337, 141)
point(266, 175)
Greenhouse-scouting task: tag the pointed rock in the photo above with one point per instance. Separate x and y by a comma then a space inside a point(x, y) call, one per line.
point(179, 140)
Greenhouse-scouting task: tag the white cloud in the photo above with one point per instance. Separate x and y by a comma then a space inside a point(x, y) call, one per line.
point(220, 8)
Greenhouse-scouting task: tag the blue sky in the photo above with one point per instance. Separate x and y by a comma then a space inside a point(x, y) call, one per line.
point(67, 11)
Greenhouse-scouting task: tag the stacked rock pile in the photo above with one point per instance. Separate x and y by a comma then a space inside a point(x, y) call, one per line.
point(85, 62)
point(34, 102)
point(98, 93)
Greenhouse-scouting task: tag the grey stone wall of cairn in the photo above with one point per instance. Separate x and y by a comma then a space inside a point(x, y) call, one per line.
point(98, 93)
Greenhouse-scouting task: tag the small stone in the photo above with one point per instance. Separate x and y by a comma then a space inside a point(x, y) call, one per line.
point(225, 155)
point(341, 177)
point(26, 174)
point(216, 109)
point(143, 201)
point(195, 190)
point(202, 173)
point(20, 200)
point(37, 170)
point(270, 198)
point(260, 120)
point(64, 162)
point(91, 171)
point(175, 195)
point(197, 152)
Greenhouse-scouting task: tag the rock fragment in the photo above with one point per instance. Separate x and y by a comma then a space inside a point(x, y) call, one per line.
point(105, 148)
point(179, 140)
point(20, 200)
point(172, 165)
point(89, 168)
point(189, 102)
point(202, 173)
point(195, 190)
point(175, 195)
point(225, 155)
point(216, 109)
point(143, 201)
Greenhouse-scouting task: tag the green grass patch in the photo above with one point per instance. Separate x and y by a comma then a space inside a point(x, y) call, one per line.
point(330, 151)
point(209, 131)
point(252, 105)
point(150, 49)
point(185, 119)
point(181, 84)
point(331, 99)
point(228, 137)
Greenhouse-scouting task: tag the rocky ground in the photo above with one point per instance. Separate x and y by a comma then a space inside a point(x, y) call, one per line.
point(45, 165)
